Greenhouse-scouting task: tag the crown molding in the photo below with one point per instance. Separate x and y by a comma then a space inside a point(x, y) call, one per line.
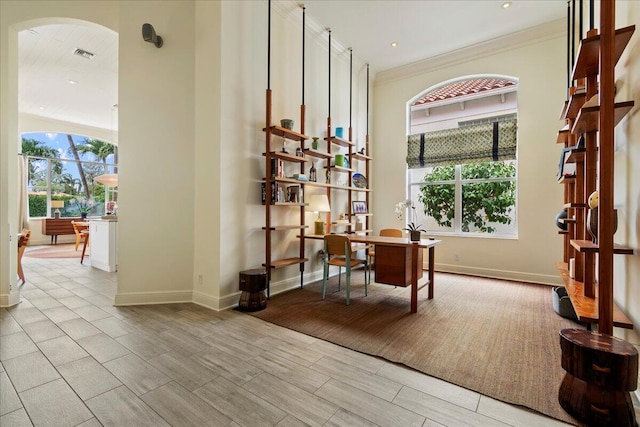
point(551, 30)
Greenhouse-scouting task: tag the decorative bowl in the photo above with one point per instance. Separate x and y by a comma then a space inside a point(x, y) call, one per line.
point(287, 123)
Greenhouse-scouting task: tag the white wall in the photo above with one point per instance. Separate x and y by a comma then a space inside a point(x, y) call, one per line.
point(537, 59)
point(157, 163)
point(626, 286)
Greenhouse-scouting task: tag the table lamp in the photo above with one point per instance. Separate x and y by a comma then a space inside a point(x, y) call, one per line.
point(57, 204)
point(319, 203)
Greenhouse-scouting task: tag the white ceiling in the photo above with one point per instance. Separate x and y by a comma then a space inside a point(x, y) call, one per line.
point(422, 29)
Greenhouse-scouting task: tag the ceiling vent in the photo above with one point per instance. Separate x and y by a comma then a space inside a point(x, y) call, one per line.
point(83, 53)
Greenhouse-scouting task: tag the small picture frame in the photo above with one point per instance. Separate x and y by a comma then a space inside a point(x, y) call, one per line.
point(566, 169)
point(359, 207)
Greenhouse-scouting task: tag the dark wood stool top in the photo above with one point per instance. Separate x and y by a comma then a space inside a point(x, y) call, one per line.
point(599, 359)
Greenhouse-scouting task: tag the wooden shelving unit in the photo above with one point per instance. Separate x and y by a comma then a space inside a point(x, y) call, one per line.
point(585, 116)
point(272, 262)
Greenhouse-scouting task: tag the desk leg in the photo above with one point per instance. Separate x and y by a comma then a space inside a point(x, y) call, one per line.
point(432, 251)
point(414, 278)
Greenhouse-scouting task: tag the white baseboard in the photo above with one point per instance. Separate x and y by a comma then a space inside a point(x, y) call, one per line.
point(147, 298)
point(217, 304)
point(9, 300)
point(543, 279)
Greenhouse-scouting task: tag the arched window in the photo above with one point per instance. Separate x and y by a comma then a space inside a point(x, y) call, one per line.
point(461, 156)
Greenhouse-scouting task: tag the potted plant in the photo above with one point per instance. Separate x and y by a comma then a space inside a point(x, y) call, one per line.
point(413, 228)
point(83, 206)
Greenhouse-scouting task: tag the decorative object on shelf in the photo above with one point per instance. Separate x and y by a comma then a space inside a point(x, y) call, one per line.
point(300, 177)
point(361, 151)
point(359, 207)
point(339, 132)
point(566, 169)
point(339, 160)
point(413, 228)
point(287, 123)
point(592, 223)
point(313, 174)
point(57, 204)
point(293, 193)
point(593, 200)
point(562, 215)
point(319, 203)
point(299, 152)
point(346, 163)
point(314, 143)
point(327, 179)
point(359, 180)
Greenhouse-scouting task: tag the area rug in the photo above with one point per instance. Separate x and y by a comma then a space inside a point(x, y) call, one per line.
point(498, 338)
point(55, 251)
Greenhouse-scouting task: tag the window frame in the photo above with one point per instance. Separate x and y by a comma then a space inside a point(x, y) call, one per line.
point(458, 183)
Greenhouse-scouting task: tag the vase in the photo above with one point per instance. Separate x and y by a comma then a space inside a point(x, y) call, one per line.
point(83, 215)
point(415, 235)
point(314, 144)
point(592, 223)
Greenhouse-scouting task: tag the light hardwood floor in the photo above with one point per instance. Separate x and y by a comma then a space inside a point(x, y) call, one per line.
point(69, 357)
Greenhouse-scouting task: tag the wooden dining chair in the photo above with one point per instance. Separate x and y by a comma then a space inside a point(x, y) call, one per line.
point(77, 228)
point(22, 245)
point(85, 235)
point(338, 251)
point(386, 232)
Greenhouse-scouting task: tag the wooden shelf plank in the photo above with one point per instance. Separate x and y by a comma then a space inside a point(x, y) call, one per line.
point(286, 227)
point(288, 157)
point(567, 179)
point(563, 135)
point(340, 141)
point(362, 157)
point(334, 186)
point(568, 220)
point(588, 58)
point(589, 246)
point(290, 181)
point(275, 264)
point(576, 102)
point(287, 133)
point(575, 205)
point(588, 119)
point(315, 153)
point(576, 156)
point(587, 308)
point(563, 113)
point(339, 169)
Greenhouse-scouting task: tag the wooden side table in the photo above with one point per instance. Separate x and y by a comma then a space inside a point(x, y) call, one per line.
point(601, 371)
point(253, 284)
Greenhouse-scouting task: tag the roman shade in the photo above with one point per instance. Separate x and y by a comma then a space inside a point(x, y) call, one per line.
point(470, 144)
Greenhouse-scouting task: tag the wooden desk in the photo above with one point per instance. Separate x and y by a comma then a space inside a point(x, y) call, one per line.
point(402, 242)
point(57, 226)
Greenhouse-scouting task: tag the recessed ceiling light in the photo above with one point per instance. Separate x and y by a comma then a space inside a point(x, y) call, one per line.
point(506, 5)
point(72, 82)
point(43, 108)
point(394, 44)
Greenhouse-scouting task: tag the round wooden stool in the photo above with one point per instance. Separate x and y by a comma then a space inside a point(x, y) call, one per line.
point(252, 284)
point(601, 371)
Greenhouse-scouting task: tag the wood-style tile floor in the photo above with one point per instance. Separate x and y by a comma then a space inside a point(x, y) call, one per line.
point(69, 358)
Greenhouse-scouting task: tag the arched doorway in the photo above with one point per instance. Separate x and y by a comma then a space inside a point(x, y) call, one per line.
point(67, 85)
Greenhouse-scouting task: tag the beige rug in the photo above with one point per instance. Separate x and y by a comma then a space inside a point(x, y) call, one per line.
point(498, 338)
point(55, 251)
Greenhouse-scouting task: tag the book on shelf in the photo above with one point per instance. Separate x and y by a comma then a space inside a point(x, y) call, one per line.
point(279, 193)
point(277, 168)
